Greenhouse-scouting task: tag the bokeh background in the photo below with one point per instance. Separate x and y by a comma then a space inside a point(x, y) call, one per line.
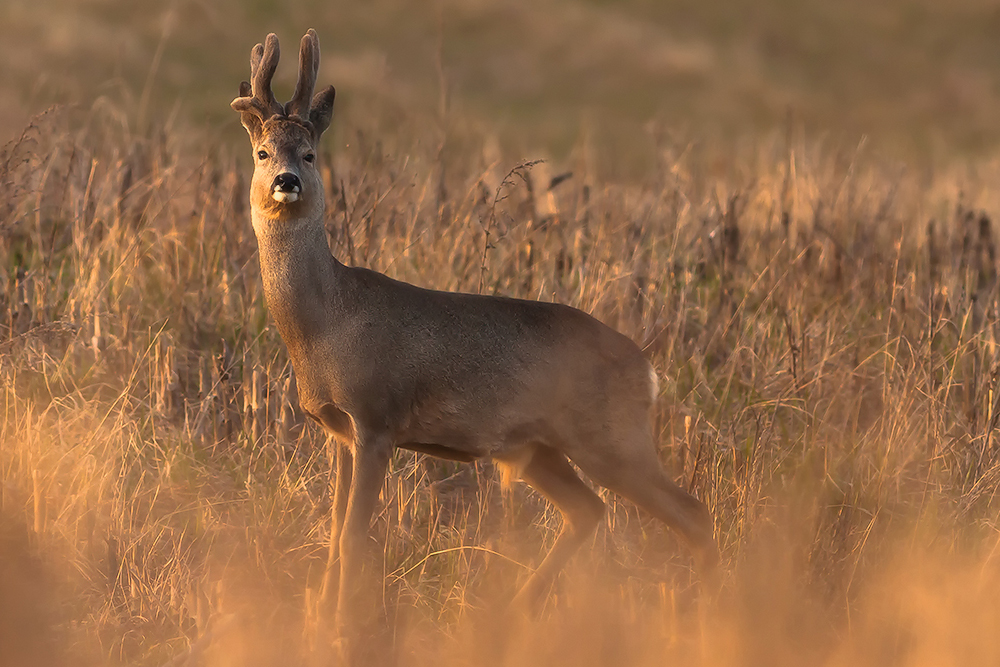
point(918, 77)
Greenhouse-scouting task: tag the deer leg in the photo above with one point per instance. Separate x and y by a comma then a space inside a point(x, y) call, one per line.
point(551, 475)
point(696, 526)
point(679, 510)
point(656, 493)
point(342, 461)
point(642, 480)
point(356, 595)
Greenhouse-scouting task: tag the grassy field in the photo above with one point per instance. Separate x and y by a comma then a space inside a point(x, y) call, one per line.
point(823, 318)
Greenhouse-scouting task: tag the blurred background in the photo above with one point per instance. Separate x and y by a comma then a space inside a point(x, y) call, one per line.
point(919, 77)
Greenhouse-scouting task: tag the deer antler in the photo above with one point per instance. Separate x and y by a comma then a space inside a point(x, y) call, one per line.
point(308, 69)
point(257, 98)
point(316, 110)
point(257, 103)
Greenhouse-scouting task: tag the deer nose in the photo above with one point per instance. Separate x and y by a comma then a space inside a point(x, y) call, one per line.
point(287, 182)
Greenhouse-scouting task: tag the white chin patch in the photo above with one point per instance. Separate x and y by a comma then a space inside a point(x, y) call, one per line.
point(285, 196)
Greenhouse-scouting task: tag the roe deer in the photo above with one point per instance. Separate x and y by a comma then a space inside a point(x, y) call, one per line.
point(382, 364)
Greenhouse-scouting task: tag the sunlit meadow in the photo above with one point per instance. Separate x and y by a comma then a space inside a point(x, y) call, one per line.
point(822, 313)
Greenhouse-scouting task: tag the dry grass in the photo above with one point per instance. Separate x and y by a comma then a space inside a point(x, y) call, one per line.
point(829, 369)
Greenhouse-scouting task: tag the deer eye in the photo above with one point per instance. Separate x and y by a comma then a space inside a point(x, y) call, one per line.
point(262, 155)
point(309, 157)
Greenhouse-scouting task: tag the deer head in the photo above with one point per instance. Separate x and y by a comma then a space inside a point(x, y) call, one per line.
point(285, 139)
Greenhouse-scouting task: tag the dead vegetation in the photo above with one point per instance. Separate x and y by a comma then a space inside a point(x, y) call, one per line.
point(825, 328)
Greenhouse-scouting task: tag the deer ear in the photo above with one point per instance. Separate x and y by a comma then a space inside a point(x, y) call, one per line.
point(321, 110)
point(253, 124)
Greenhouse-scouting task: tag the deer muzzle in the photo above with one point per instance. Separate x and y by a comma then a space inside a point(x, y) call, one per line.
point(286, 187)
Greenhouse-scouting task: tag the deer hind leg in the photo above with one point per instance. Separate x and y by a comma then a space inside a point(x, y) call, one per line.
point(636, 474)
point(550, 474)
point(342, 460)
point(677, 508)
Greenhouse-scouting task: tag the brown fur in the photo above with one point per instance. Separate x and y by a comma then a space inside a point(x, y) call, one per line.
point(383, 364)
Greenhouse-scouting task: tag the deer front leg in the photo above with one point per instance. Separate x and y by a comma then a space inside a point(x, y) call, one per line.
point(342, 460)
point(356, 600)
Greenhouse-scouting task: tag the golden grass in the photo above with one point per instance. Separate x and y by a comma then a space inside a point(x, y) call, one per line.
point(829, 388)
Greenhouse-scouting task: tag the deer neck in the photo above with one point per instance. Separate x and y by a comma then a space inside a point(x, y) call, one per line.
point(304, 284)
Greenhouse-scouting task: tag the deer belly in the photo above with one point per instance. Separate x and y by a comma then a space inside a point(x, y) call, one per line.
point(439, 451)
